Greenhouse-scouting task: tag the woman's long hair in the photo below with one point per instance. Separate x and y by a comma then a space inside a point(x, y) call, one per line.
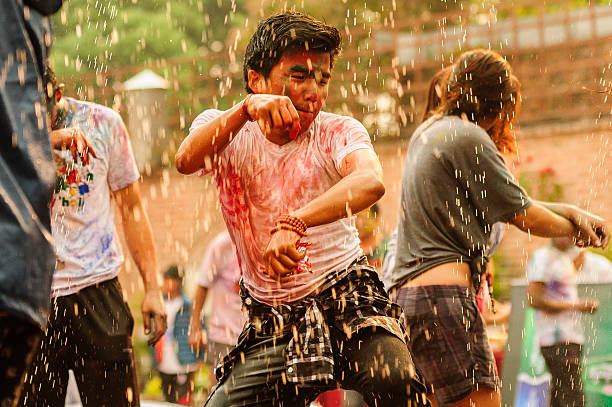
point(434, 93)
point(481, 87)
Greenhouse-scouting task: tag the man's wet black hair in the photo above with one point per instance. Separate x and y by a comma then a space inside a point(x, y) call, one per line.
point(50, 84)
point(287, 33)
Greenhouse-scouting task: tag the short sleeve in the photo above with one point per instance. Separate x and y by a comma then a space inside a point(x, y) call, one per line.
point(347, 135)
point(538, 268)
point(229, 153)
point(207, 273)
point(477, 165)
point(122, 169)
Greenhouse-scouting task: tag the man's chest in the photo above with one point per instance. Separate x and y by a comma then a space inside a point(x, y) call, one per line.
point(301, 174)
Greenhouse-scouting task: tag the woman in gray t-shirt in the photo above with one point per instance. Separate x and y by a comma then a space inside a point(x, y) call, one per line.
point(455, 186)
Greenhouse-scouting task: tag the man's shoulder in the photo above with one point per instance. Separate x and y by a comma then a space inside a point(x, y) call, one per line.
point(332, 121)
point(204, 117)
point(99, 113)
point(222, 240)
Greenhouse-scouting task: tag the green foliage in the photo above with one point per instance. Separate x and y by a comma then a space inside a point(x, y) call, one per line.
point(91, 35)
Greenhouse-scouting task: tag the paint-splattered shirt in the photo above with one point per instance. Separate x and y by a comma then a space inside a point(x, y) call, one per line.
point(220, 273)
point(555, 268)
point(82, 219)
point(258, 180)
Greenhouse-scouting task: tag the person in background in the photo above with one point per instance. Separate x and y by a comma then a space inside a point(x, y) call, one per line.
point(218, 277)
point(591, 267)
point(90, 328)
point(26, 181)
point(553, 292)
point(373, 241)
point(174, 359)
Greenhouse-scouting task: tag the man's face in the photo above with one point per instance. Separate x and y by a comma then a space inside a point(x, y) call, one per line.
point(304, 78)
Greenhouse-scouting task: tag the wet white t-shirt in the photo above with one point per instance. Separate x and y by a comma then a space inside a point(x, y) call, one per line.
point(258, 180)
point(82, 220)
point(595, 269)
point(220, 273)
point(555, 268)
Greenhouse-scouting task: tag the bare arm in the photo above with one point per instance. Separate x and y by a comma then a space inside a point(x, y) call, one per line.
point(538, 299)
point(591, 229)
point(196, 337)
point(139, 238)
point(360, 187)
point(201, 147)
point(558, 220)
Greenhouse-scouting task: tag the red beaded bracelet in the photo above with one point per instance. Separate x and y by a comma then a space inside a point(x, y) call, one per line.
point(287, 227)
point(245, 107)
point(292, 221)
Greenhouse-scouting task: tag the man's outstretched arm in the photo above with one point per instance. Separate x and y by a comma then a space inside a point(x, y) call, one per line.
point(536, 292)
point(360, 187)
point(202, 146)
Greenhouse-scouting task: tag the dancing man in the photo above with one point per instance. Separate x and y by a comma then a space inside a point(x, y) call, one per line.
point(289, 178)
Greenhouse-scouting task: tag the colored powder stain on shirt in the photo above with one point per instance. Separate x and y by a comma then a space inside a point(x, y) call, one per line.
point(258, 180)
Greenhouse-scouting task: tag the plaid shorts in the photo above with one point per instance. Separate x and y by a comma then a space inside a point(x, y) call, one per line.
point(448, 340)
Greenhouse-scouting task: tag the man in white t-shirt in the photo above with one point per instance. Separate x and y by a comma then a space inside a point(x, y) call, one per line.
point(289, 178)
point(553, 293)
point(592, 267)
point(218, 276)
point(90, 326)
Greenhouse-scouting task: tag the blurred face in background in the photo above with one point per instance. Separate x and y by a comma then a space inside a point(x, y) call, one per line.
point(171, 287)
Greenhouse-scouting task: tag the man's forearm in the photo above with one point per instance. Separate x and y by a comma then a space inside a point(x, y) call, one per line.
point(139, 238)
point(203, 144)
point(198, 303)
point(352, 194)
point(552, 306)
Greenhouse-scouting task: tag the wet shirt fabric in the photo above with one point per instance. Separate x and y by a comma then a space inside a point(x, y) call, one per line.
point(220, 273)
point(348, 300)
point(87, 245)
point(26, 163)
point(455, 186)
point(595, 269)
point(258, 180)
point(555, 268)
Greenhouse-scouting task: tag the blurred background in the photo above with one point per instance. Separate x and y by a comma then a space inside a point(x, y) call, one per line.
point(159, 63)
